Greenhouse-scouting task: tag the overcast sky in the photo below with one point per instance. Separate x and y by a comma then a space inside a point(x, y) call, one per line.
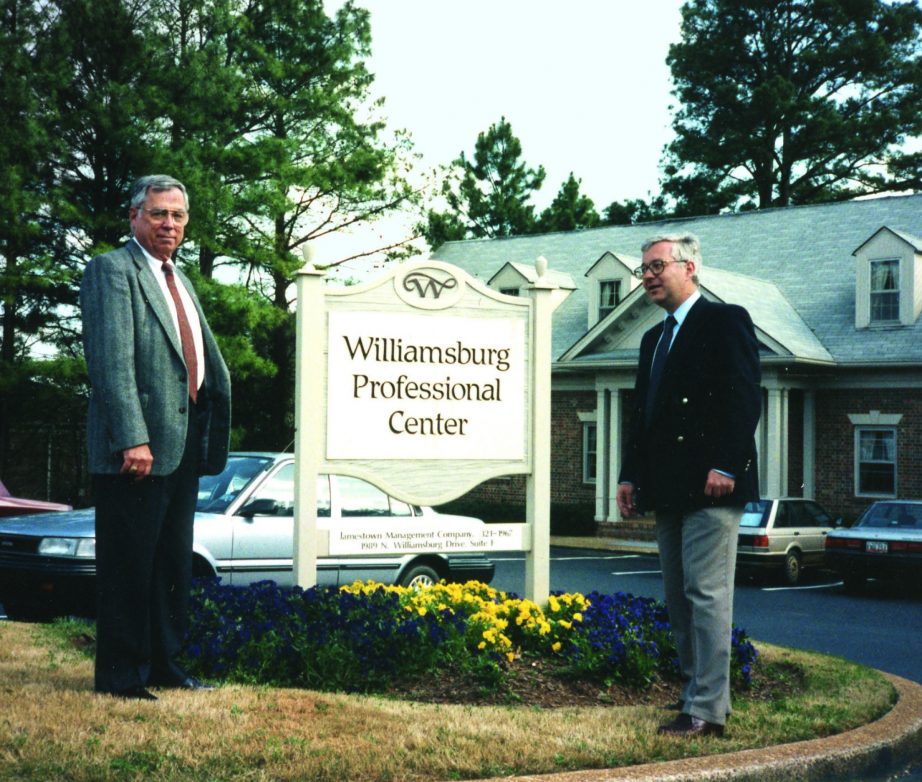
point(583, 83)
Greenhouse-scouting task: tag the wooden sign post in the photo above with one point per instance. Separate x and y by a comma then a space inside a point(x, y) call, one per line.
point(425, 382)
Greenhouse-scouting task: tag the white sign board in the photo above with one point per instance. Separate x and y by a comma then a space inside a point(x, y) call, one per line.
point(401, 386)
point(425, 382)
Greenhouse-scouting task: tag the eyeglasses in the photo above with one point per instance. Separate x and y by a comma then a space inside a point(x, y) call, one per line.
point(180, 216)
point(655, 267)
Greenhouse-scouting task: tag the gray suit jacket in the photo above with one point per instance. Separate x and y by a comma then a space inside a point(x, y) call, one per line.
point(139, 392)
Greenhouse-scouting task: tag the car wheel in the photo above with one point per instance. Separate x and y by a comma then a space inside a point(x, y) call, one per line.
point(25, 610)
point(418, 576)
point(201, 568)
point(792, 568)
point(854, 584)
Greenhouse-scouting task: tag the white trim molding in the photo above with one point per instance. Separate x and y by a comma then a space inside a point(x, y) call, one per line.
point(875, 418)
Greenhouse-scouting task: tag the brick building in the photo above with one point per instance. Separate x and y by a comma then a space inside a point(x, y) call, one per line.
point(835, 293)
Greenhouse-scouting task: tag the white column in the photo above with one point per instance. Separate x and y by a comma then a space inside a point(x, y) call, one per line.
point(785, 441)
point(603, 454)
point(309, 411)
point(538, 483)
point(760, 444)
point(809, 445)
point(774, 460)
point(614, 463)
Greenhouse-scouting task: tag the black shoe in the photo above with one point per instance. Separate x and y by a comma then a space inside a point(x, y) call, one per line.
point(138, 693)
point(687, 726)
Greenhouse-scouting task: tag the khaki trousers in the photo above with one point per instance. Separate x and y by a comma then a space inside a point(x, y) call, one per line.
point(698, 557)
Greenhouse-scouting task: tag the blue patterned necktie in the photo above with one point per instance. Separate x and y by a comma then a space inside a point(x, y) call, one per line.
point(659, 361)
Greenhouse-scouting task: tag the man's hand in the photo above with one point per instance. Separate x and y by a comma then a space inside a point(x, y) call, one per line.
point(137, 461)
point(718, 485)
point(625, 499)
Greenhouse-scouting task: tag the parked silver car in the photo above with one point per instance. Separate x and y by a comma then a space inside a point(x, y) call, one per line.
point(884, 543)
point(783, 536)
point(243, 533)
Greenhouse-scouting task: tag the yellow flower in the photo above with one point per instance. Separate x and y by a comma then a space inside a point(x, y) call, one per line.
point(556, 646)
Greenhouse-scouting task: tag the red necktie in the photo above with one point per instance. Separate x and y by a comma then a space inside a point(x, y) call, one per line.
point(185, 332)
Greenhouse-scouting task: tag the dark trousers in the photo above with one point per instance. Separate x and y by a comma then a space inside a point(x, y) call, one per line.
point(143, 571)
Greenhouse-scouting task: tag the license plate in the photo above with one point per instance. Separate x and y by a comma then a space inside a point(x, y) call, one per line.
point(876, 547)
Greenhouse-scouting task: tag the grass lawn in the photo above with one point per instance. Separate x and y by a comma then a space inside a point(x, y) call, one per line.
point(53, 727)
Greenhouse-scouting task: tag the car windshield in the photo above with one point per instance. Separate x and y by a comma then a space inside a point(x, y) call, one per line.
point(892, 514)
point(754, 514)
point(217, 492)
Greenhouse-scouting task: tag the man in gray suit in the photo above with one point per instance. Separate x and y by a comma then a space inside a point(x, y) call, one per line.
point(159, 417)
point(691, 458)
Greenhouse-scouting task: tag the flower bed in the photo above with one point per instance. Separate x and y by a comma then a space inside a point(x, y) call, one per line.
point(365, 637)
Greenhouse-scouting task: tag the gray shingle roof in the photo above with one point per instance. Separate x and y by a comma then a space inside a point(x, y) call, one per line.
point(797, 258)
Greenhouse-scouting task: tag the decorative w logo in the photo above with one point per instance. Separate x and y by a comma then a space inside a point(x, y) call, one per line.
point(424, 284)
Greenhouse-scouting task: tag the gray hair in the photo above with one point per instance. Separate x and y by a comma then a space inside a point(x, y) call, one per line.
point(158, 183)
point(685, 247)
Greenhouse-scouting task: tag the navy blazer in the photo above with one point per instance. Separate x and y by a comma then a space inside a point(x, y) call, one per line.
point(139, 391)
point(705, 414)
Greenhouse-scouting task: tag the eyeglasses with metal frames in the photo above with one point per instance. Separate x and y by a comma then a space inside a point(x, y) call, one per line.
point(180, 216)
point(656, 268)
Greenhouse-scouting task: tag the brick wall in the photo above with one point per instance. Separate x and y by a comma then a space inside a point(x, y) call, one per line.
point(567, 447)
point(835, 445)
point(835, 449)
point(566, 458)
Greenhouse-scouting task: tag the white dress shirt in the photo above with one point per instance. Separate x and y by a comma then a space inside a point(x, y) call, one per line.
point(156, 266)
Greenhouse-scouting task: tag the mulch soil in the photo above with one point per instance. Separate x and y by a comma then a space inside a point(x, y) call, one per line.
point(541, 683)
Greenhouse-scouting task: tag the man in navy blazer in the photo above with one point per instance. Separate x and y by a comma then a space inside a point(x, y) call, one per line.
point(159, 416)
point(691, 458)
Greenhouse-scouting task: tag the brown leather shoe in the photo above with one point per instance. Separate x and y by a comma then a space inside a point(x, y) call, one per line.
point(687, 726)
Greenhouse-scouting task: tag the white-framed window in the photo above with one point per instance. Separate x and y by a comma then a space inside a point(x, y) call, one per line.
point(509, 291)
point(609, 296)
point(590, 460)
point(875, 461)
point(885, 291)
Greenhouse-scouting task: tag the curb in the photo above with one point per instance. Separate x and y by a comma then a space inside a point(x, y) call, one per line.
point(890, 742)
point(886, 744)
point(623, 545)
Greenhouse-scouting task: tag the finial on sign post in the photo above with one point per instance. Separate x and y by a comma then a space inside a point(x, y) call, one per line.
point(307, 252)
point(541, 266)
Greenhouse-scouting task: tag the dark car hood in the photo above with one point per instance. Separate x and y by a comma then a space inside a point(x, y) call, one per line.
point(63, 524)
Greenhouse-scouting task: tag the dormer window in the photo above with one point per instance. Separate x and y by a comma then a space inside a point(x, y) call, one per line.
point(885, 291)
point(888, 280)
point(515, 279)
point(609, 296)
point(610, 282)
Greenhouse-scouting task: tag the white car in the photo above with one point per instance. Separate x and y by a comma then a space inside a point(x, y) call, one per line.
point(244, 528)
point(783, 536)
